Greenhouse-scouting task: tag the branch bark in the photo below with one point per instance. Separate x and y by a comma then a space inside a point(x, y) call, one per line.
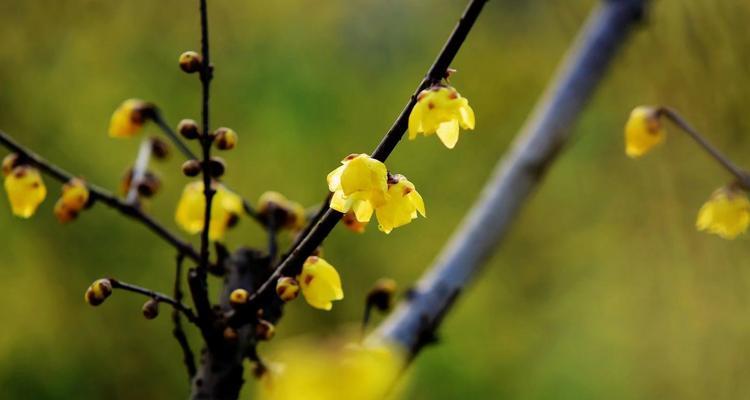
point(516, 176)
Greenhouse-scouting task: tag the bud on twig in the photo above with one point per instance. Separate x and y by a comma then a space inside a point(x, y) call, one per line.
point(150, 184)
point(191, 168)
point(188, 129)
point(159, 148)
point(225, 138)
point(150, 309)
point(287, 288)
point(191, 62)
point(230, 334)
point(10, 162)
point(264, 330)
point(238, 297)
point(98, 292)
point(216, 167)
point(381, 295)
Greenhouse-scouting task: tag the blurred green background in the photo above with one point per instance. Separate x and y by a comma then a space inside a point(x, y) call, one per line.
point(603, 289)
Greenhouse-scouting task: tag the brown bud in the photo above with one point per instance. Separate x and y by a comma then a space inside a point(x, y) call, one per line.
point(98, 292)
point(159, 148)
point(381, 294)
point(216, 167)
point(230, 334)
point(287, 288)
point(150, 309)
point(10, 162)
point(191, 168)
point(191, 62)
point(188, 129)
point(264, 330)
point(225, 139)
point(239, 296)
point(150, 184)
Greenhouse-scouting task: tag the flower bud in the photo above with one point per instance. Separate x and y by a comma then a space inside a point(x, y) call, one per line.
point(191, 168)
point(188, 129)
point(230, 334)
point(191, 62)
point(149, 185)
point(226, 139)
point(128, 119)
point(350, 222)
point(216, 167)
point(239, 296)
point(10, 162)
point(98, 292)
point(159, 148)
point(287, 288)
point(381, 294)
point(264, 330)
point(25, 190)
point(150, 309)
point(285, 213)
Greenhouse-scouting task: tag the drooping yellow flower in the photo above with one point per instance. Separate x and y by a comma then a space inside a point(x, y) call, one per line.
point(441, 110)
point(643, 131)
point(226, 207)
point(359, 185)
point(289, 214)
point(320, 283)
point(74, 197)
point(128, 118)
point(402, 206)
point(726, 213)
point(26, 190)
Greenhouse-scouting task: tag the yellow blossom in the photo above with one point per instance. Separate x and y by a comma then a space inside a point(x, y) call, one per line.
point(726, 213)
point(316, 370)
point(402, 206)
point(359, 185)
point(350, 222)
point(441, 110)
point(320, 283)
point(26, 190)
point(74, 197)
point(290, 214)
point(128, 118)
point(643, 131)
point(226, 207)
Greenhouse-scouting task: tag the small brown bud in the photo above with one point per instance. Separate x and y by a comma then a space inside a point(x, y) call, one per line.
point(188, 129)
point(230, 334)
point(216, 167)
point(150, 309)
point(150, 184)
point(98, 292)
point(191, 62)
point(225, 139)
point(381, 294)
point(191, 168)
point(264, 330)
point(159, 148)
point(10, 162)
point(287, 288)
point(239, 296)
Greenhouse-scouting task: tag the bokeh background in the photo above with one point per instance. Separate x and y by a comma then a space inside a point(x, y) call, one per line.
point(603, 289)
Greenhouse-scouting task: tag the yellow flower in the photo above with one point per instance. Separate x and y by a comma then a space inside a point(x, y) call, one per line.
point(350, 222)
point(226, 207)
point(402, 206)
point(26, 190)
point(320, 283)
point(290, 214)
point(726, 213)
point(128, 118)
point(359, 185)
point(643, 131)
point(317, 370)
point(441, 110)
point(74, 197)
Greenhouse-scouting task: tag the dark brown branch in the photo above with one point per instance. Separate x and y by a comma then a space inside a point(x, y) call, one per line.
point(291, 265)
point(160, 297)
point(414, 322)
point(742, 176)
point(99, 194)
point(178, 332)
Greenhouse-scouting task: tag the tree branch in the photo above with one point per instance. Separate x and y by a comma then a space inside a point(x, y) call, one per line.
point(99, 194)
point(178, 332)
point(160, 297)
point(516, 176)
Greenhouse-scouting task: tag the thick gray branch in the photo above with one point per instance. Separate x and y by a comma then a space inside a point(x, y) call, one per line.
point(413, 323)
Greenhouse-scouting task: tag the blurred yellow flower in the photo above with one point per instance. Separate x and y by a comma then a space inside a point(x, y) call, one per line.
point(359, 185)
point(290, 214)
point(128, 118)
point(74, 197)
point(726, 213)
point(320, 283)
point(441, 110)
point(402, 206)
point(226, 207)
point(322, 371)
point(26, 190)
point(643, 131)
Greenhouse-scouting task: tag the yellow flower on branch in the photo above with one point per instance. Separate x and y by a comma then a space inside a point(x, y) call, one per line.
point(404, 202)
point(226, 207)
point(74, 197)
point(441, 110)
point(26, 190)
point(726, 213)
point(359, 185)
point(128, 118)
point(643, 131)
point(320, 283)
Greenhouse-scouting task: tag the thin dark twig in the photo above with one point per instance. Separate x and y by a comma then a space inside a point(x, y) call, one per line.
point(271, 228)
point(178, 332)
point(139, 171)
point(293, 262)
point(99, 194)
point(160, 297)
point(741, 175)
